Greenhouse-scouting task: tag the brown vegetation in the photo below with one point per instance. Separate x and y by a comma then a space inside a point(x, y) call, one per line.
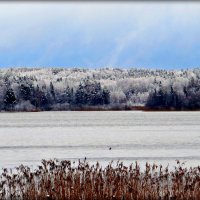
point(65, 180)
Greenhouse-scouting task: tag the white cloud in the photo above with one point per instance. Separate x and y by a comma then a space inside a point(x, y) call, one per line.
point(158, 24)
point(144, 25)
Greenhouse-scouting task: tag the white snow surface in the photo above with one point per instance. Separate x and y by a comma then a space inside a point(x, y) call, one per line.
point(160, 137)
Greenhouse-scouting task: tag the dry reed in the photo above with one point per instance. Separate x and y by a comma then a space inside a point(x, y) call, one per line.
point(55, 179)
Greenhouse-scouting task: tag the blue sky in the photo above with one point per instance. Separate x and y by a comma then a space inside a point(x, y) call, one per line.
point(83, 34)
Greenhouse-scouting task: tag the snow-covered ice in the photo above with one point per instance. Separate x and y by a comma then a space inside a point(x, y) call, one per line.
point(163, 137)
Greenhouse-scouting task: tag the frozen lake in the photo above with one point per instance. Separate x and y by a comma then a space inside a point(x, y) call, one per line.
point(133, 135)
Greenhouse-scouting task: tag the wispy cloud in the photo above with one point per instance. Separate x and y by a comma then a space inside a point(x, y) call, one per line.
point(100, 33)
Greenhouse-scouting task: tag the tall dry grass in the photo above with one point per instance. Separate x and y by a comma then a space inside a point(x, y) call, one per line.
point(64, 180)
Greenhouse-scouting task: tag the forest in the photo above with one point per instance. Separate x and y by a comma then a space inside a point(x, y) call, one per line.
point(43, 89)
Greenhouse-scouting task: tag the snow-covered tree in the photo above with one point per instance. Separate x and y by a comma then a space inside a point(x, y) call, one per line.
point(52, 88)
point(9, 99)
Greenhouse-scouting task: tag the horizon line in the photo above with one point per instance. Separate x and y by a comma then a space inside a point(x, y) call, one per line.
point(96, 68)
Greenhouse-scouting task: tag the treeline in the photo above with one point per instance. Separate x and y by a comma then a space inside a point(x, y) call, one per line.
point(169, 98)
point(26, 89)
point(27, 97)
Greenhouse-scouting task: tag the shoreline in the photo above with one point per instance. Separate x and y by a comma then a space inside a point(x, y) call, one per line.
point(114, 108)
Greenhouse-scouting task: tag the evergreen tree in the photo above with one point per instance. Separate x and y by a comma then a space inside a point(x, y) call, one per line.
point(25, 92)
point(37, 99)
point(80, 95)
point(52, 91)
point(91, 93)
point(69, 94)
point(9, 99)
point(106, 96)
